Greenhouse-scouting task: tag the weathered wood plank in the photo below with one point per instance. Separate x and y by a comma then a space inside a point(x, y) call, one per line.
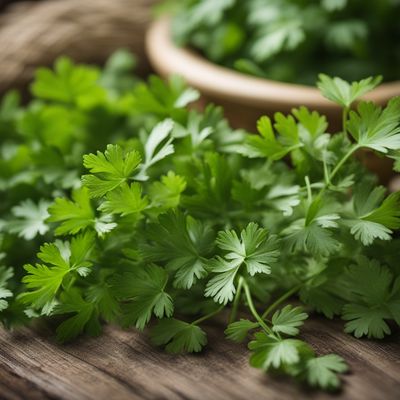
point(124, 365)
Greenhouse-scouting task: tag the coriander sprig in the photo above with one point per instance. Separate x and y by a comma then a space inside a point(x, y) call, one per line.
point(164, 218)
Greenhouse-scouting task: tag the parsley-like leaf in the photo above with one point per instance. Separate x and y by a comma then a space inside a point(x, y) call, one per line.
point(272, 353)
point(5, 275)
point(178, 336)
point(29, 219)
point(255, 249)
point(288, 319)
point(184, 243)
point(109, 169)
point(144, 290)
point(375, 128)
point(75, 215)
point(125, 200)
point(68, 83)
point(237, 331)
point(322, 371)
point(158, 146)
point(85, 318)
point(44, 281)
point(344, 93)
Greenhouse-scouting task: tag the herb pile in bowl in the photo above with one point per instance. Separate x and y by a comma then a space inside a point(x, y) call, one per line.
point(150, 215)
point(294, 40)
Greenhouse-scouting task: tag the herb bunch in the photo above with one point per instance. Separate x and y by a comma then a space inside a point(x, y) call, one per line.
point(180, 218)
point(276, 39)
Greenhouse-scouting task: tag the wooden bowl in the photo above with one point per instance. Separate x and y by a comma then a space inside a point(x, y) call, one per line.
point(245, 98)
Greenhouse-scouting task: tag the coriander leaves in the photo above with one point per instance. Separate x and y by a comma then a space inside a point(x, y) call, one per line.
point(177, 219)
point(255, 250)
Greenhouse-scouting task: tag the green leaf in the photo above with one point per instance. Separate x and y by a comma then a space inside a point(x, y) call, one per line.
point(158, 146)
point(312, 238)
point(370, 305)
point(144, 294)
point(367, 231)
point(164, 99)
point(43, 281)
point(166, 194)
point(322, 371)
point(366, 321)
point(75, 215)
point(375, 216)
point(288, 319)
point(375, 128)
point(277, 36)
point(270, 146)
point(85, 318)
point(237, 331)
point(212, 188)
point(29, 219)
point(345, 93)
point(333, 5)
point(110, 169)
point(103, 296)
point(323, 300)
point(269, 352)
point(312, 124)
point(255, 249)
point(313, 233)
point(183, 243)
point(359, 277)
point(125, 200)
point(388, 213)
point(178, 336)
point(68, 83)
point(5, 275)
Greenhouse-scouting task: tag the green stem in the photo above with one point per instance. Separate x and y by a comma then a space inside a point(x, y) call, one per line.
point(342, 161)
point(210, 315)
point(281, 299)
point(308, 186)
point(253, 310)
point(236, 301)
point(344, 119)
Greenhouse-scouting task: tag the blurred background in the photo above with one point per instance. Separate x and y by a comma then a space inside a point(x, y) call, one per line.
point(33, 33)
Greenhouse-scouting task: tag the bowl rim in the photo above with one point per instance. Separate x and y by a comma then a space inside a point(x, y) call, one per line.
point(225, 83)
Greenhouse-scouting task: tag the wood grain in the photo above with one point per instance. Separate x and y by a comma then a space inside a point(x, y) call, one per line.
point(124, 365)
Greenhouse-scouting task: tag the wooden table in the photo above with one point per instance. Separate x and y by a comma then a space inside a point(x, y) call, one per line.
point(124, 365)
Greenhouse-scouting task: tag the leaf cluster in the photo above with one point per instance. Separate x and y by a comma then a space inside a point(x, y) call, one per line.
point(293, 40)
point(171, 217)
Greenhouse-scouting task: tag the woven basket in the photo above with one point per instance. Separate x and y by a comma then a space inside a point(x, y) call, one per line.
point(34, 33)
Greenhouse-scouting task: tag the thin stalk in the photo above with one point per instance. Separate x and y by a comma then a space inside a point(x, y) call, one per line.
point(339, 165)
point(309, 192)
point(253, 310)
point(344, 119)
point(326, 173)
point(210, 315)
point(236, 301)
point(342, 161)
point(281, 299)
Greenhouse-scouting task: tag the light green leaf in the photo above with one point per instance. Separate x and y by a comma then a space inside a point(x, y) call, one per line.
point(29, 219)
point(125, 200)
point(237, 331)
point(178, 336)
point(143, 292)
point(111, 169)
point(375, 128)
point(75, 215)
point(288, 319)
point(322, 371)
point(345, 93)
